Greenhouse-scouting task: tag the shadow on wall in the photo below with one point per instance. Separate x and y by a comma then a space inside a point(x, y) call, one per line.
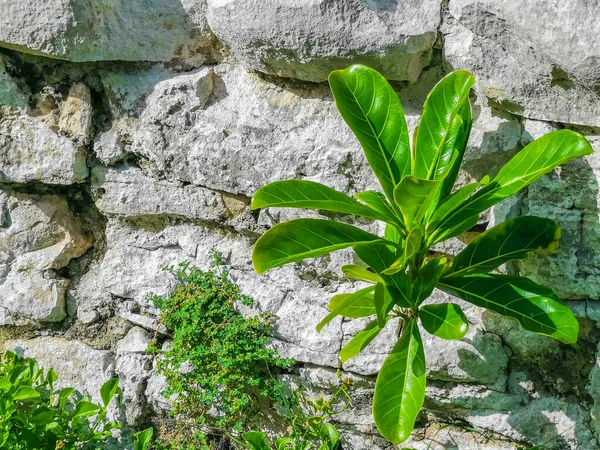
point(381, 5)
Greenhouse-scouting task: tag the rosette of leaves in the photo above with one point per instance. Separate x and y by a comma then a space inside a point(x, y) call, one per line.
point(421, 208)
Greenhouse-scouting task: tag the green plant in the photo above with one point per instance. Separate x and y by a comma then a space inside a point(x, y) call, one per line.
point(143, 439)
point(309, 420)
point(421, 208)
point(34, 417)
point(218, 358)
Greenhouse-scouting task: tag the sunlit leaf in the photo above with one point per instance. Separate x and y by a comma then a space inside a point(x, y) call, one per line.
point(514, 239)
point(445, 320)
point(400, 387)
point(441, 107)
point(311, 195)
point(300, 239)
point(535, 307)
point(372, 110)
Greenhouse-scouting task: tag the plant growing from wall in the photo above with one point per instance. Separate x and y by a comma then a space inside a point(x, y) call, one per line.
point(310, 422)
point(218, 360)
point(421, 208)
point(35, 417)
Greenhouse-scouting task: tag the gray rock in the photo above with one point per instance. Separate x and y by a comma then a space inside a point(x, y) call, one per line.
point(37, 233)
point(133, 367)
point(565, 32)
point(158, 30)
point(126, 191)
point(512, 64)
point(570, 197)
point(249, 133)
point(11, 94)
point(75, 363)
point(309, 40)
point(34, 152)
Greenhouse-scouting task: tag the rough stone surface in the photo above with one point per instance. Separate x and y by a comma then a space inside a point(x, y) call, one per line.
point(133, 367)
point(301, 40)
point(176, 150)
point(37, 234)
point(75, 120)
point(75, 363)
point(11, 94)
point(32, 152)
point(137, 30)
point(516, 64)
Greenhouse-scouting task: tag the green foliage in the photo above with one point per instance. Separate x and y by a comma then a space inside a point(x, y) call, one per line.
point(33, 416)
point(143, 439)
point(309, 420)
point(421, 208)
point(218, 358)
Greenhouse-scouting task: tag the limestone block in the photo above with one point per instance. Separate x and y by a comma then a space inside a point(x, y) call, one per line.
point(307, 40)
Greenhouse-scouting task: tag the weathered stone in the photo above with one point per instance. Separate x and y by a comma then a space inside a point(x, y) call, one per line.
point(593, 389)
point(547, 420)
point(565, 32)
point(250, 132)
point(11, 94)
point(569, 196)
point(37, 233)
point(126, 191)
point(513, 65)
point(31, 151)
point(136, 30)
point(309, 40)
point(76, 115)
point(76, 364)
point(133, 367)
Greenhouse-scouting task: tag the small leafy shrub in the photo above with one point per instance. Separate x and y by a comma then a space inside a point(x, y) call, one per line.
point(421, 208)
point(219, 360)
point(309, 420)
point(34, 417)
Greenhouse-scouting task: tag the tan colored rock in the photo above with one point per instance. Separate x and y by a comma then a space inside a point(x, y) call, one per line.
point(76, 115)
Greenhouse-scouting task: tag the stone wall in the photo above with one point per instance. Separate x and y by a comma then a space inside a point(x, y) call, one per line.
point(134, 133)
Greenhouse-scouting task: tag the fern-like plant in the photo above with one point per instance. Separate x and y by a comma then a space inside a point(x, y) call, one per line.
point(421, 207)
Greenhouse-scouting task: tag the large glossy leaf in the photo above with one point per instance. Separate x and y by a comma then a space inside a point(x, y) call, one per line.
point(373, 112)
point(349, 304)
point(379, 202)
point(535, 307)
point(464, 119)
point(360, 341)
point(384, 302)
point(360, 273)
point(363, 307)
point(411, 249)
point(257, 440)
point(379, 257)
point(308, 194)
point(25, 393)
point(536, 159)
point(416, 198)
point(392, 234)
point(514, 239)
point(305, 238)
point(445, 320)
point(427, 278)
point(441, 107)
point(400, 387)
point(453, 201)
